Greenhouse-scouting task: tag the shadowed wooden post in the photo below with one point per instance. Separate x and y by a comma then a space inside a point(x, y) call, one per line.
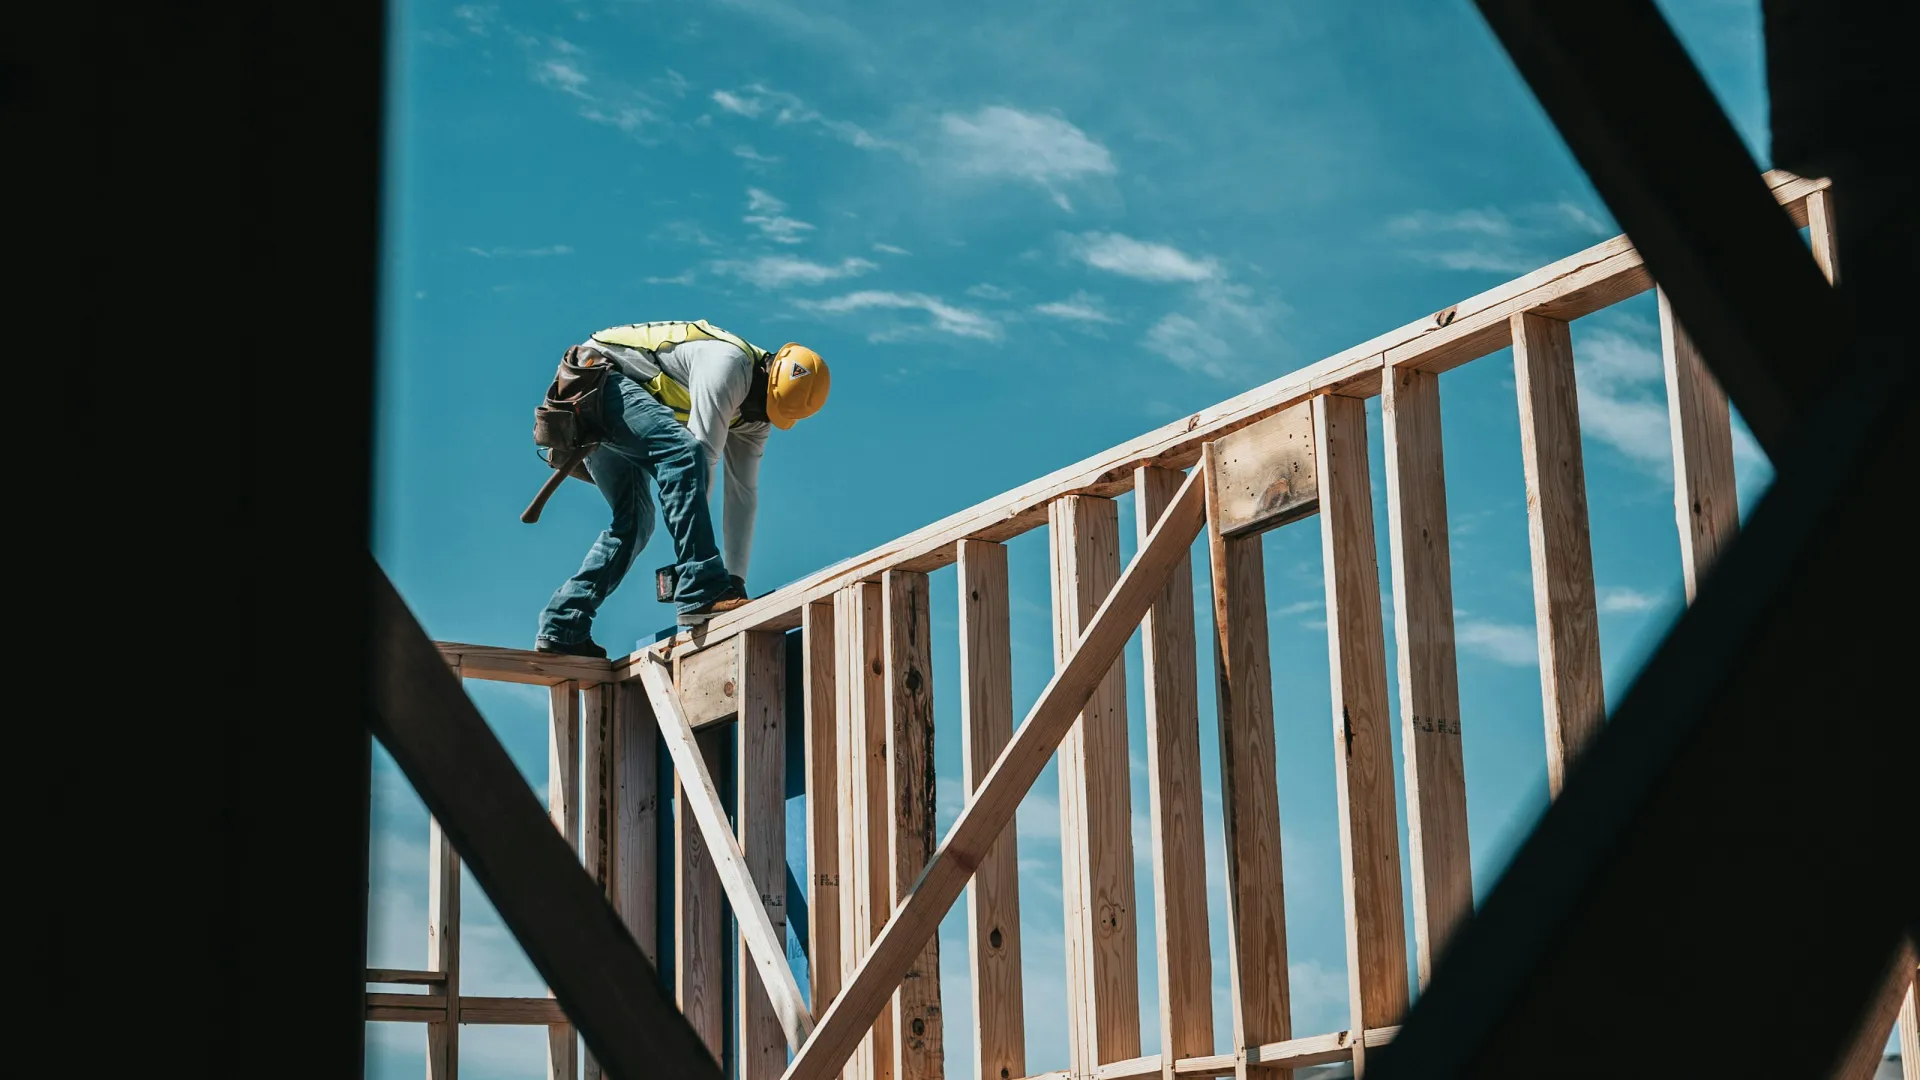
point(1363, 740)
point(1424, 647)
point(1096, 815)
point(867, 836)
point(1564, 613)
point(1172, 694)
point(1862, 1058)
point(596, 805)
point(1706, 505)
point(823, 804)
point(761, 817)
point(636, 844)
point(696, 912)
point(993, 899)
point(563, 786)
point(1250, 799)
point(443, 951)
point(919, 1029)
point(1910, 1031)
point(765, 946)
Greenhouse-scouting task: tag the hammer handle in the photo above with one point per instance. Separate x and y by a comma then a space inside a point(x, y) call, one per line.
point(532, 513)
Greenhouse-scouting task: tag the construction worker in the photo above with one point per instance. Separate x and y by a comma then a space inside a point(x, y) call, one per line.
point(680, 397)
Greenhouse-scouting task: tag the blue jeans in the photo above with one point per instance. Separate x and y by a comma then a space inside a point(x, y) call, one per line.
point(643, 442)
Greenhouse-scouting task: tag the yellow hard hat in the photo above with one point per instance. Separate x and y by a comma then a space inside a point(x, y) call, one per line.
point(797, 383)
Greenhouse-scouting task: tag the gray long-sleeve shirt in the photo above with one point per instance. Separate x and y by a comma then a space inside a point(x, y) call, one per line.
point(717, 377)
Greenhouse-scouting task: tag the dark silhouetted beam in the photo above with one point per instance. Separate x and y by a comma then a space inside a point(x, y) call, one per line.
point(1653, 140)
point(574, 938)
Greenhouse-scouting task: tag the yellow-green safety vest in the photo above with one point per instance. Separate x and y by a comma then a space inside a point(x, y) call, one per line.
point(654, 336)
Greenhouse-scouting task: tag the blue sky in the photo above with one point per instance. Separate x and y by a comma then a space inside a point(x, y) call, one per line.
point(1020, 233)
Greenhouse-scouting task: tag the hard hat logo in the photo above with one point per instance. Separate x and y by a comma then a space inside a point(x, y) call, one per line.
point(790, 400)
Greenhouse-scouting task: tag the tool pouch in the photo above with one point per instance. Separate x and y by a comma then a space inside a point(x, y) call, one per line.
point(663, 584)
point(568, 418)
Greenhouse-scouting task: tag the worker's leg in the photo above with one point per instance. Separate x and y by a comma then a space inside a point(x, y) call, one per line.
point(678, 467)
point(568, 618)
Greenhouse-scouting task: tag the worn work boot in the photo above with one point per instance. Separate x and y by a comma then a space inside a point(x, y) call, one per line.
point(583, 648)
point(727, 602)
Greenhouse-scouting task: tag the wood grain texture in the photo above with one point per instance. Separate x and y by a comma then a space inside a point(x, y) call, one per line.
point(1565, 619)
point(919, 1029)
point(596, 806)
point(411, 976)
point(517, 1011)
point(1821, 235)
point(1579, 284)
point(1863, 1056)
point(761, 813)
point(1265, 472)
point(490, 663)
point(1428, 671)
point(1249, 796)
point(443, 951)
point(1362, 726)
point(563, 1052)
point(868, 836)
point(1706, 505)
point(993, 898)
point(999, 795)
point(1172, 694)
point(823, 804)
point(849, 727)
point(708, 682)
point(697, 942)
point(1096, 802)
point(1910, 1030)
point(564, 711)
point(636, 844)
point(766, 948)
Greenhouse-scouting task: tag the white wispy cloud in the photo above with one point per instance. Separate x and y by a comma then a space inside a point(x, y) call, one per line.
point(1143, 260)
point(766, 214)
point(734, 103)
point(1510, 644)
point(780, 271)
point(1228, 340)
point(1042, 148)
point(520, 253)
point(748, 153)
point(1622, 394)
point(959, 322)
point(1189, 345)
point(891, 249)
point(1622, 600)
point(628, 118)
point(1224, 326)
point(568, 68)
point(1493, 240)
point(1080, 307)
point(756, 101)
point(563, 76)
point(477, 18)
point(989, 291)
